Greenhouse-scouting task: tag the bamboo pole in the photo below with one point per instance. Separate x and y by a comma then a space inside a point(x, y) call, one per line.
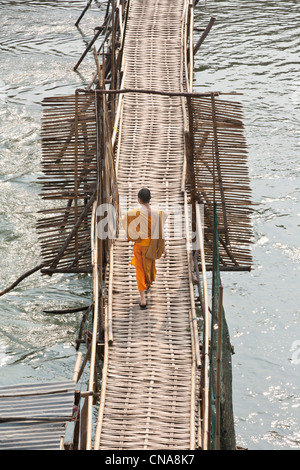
point(77, 367)
point(94, 248)
point(185, 38)
point(204, 34)
point(191, 46)
point(92, 42)
point(103, 386)
point(87, 49)
point(192, 311)
point(159, 93)
point(217, 155)
point(193, 320)
point(118, 114)
point(110, 295)
point(83, 13)
point(85, 359)
point(124, 28)
point(113, 58)
point(205, 433)
point(97, 66)
point(218, 372)
point(193, 388)
point(183, 65)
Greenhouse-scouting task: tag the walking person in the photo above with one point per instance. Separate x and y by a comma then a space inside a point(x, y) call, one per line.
point(144, 225)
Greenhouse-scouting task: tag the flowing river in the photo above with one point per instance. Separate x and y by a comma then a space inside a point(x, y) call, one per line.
point(253, 49)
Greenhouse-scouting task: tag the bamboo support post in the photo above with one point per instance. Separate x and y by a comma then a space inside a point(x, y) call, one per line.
point(118, 116)
point(206, 429)
point(94, 247)
point(84, 362)
point(103, 385)
point(90, 45)
point(84, 12)
point(192, 313)
point(191, 46)
point(76, 172)
point(204, 35)
point(110, 295)
point(218, 372)
point(113, 58)
point(92, 42)
point(217, 160)
point(77, 367)
point(183, 68)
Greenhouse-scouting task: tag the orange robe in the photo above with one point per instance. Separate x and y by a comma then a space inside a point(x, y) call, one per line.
point(137, 224)
point(145, 268)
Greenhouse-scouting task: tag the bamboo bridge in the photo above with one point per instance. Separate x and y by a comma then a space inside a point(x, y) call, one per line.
point(149, 392)
point(139, 124)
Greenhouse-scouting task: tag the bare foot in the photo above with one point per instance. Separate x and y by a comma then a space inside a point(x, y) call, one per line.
point(143, 302)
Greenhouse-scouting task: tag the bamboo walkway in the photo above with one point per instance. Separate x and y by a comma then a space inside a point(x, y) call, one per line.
point(150, 378)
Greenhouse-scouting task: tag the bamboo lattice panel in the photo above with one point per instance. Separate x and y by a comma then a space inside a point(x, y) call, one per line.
point(221, 171)
point(70, 175)
point(149, 379)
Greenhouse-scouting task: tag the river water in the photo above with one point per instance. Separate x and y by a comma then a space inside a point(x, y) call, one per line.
point(253, 49)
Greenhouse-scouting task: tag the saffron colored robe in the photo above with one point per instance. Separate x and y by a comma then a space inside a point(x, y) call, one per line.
point(140, 227)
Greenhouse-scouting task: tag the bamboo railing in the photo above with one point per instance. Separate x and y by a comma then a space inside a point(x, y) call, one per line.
point(204, 428)
point(108, 111)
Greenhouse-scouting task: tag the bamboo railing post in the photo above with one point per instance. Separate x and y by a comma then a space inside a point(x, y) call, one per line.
point(191, 313)
point(217, 155)
point(103, 386)
point(110, 295)
point(77, 367)
point(76, 119)
point(218, 372)
point(191, 45)
point(99, 158)
point(94, 248)
point(206, 427)
point(183, 69)
point(113, 59)
point(77, 422)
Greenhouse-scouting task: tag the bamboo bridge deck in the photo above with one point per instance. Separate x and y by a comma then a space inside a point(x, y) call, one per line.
point(148, 397)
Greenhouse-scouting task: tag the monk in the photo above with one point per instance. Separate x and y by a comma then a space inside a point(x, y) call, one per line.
point(142, 225)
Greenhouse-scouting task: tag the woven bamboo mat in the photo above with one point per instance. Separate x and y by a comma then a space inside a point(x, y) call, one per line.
point(149, 377)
